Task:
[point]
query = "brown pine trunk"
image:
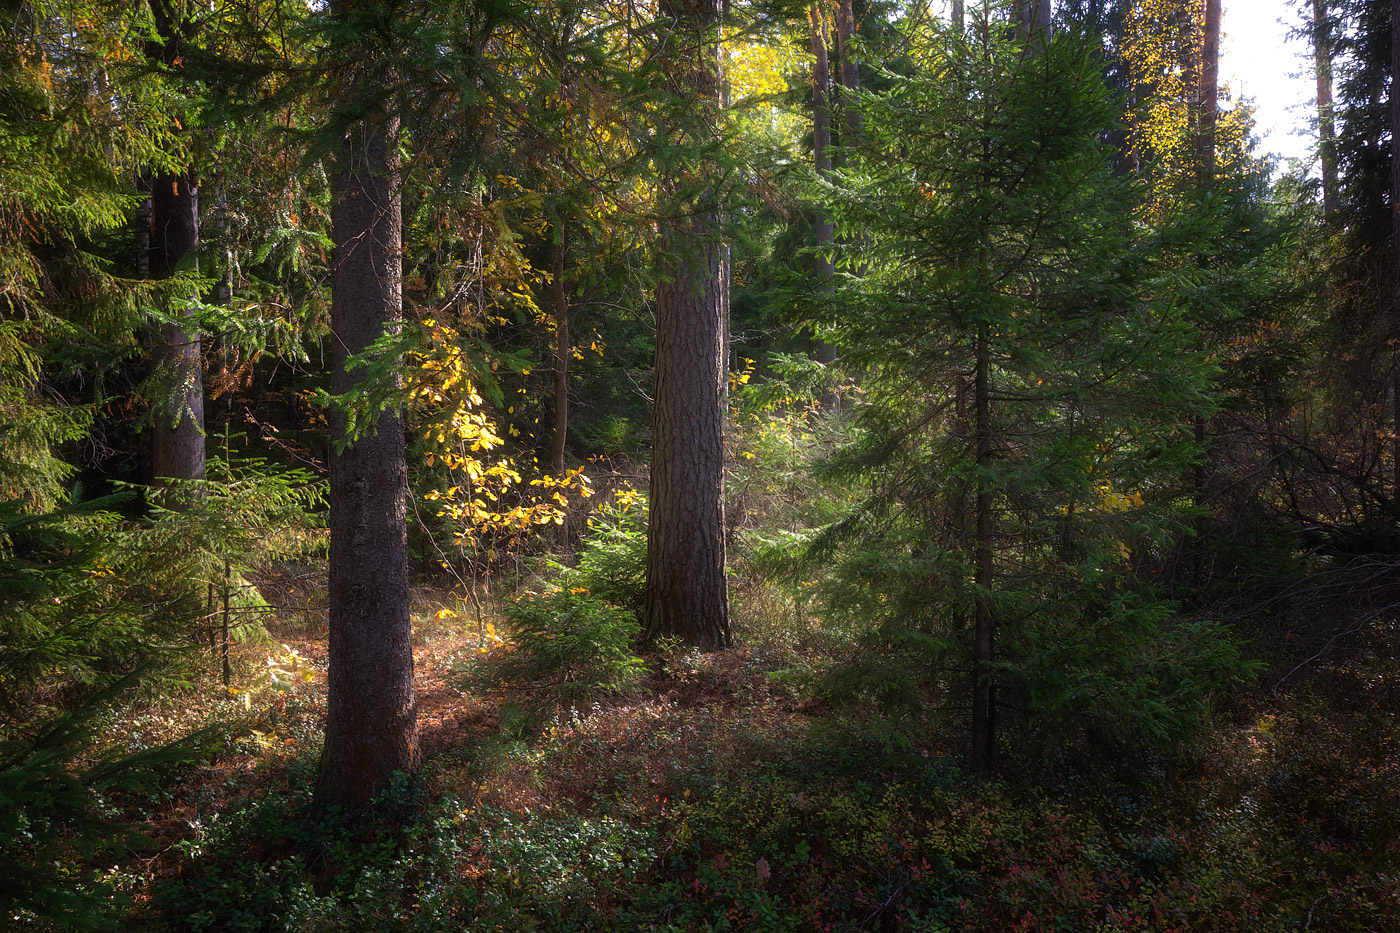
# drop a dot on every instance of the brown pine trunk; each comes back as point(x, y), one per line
point(850, 71)
point(1326, 120)
point(1208, 95)
point(686, 592)
point(177, 436)
point(1395, 236)
point(371, 712)
point(822, 228)
point(958, 19)
point(1207, 110)
point(561, 360)
point(1032, 20)
point(983, 693)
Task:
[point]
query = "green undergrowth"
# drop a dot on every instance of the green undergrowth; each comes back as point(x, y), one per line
point(733, 815)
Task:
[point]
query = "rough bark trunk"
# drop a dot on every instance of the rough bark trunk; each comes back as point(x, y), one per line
point(983, 693)
point(822, 229)
point(958, 19)
point(1208, 94)
point(1032, 20)
point(686, 592)
point(1395, 236)
point(1326, 119)
point(177, 436)
point(850, 72)
point(371, 712)
point(561, 360)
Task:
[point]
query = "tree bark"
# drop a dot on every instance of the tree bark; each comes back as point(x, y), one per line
point(850, 72)
point(983, 693)
point(1208, 95)
point(958, 19)
point(822, 229)
point(371, 712)
point(561, 360)
point(686, 592)
point(1326, 119)
point(1033, 18)
point(1394, 335)
point(177, 436)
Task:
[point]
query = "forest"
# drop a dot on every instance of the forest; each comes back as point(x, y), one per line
point(695, 465)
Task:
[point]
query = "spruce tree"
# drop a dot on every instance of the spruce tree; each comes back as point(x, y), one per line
point(1029, 386)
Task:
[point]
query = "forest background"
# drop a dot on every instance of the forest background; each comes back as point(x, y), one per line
point(694, 465)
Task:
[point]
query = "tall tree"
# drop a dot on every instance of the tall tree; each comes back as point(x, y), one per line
point(1004, 251)
point(686, 591)
point(822, 228)
point(371, 710)
point(1208, 94)
point(850, 71)
point(1393, 319)
point(1326, 120)
point(561, 357)
point(177, 436)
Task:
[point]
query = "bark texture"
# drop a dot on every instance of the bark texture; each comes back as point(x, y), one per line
point(1395, 236)
point(371, 714)
point(850, 71)
point(1208, 98)
point(983, 692)
point(177, 437)
point(1326, 119)
point(822, 229)
point(561, 360)
point(686, 591)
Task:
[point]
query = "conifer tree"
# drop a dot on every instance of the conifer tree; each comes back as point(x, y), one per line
point(686, 592)
point(1016, 338)
point(371, 711)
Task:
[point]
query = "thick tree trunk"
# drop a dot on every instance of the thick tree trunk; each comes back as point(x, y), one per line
point(983, 692)
point(850, 72)
point(1326, 119)
point(371, 712)
point(177, 437)
point(1033, 19)
point(561, 360)
point(686, 592)
point(1395, 237)
point(1208, 95)
point(822, 229)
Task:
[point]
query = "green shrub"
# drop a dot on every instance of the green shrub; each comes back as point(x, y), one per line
point(612, 563)
point(570, 644)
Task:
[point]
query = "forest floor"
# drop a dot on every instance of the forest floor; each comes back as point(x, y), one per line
point(719, 797)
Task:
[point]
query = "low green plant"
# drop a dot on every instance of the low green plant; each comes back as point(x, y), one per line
point(612, 563)
point(570, 644)
point(575, 635)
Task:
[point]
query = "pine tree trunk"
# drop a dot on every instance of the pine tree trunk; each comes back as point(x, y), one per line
point(850, 71)
point(1326, 119)
point(983, 694)
point(1394, 334)
point(686, 592)
point(1208, 95)
point(822, 228)
point(561, 360)
point(371, 713)
point(177, 436)
point(958, 19)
